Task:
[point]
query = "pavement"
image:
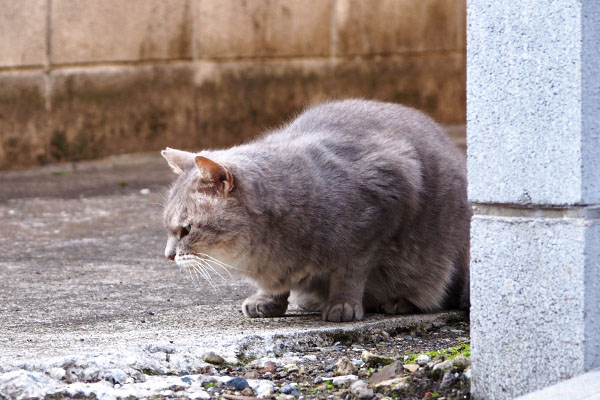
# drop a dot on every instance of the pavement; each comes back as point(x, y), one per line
point(83, 278)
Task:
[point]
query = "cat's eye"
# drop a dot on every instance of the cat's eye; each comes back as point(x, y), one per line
point(185, 231)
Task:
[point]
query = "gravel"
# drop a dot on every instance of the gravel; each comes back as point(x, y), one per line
point(429, 362)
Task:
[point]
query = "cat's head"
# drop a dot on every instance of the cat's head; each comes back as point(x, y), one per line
point(203, 215)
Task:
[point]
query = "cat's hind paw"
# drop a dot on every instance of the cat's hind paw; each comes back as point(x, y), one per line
point(262, 306)
point(343, 312)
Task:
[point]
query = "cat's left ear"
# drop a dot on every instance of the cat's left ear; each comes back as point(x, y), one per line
point(178, 160)
point(215, 174)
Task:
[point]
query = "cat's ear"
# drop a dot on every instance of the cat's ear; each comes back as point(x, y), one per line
point(215, 174)
point(178, 160)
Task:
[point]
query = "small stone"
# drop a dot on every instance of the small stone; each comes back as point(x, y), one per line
point(238, 383)
point(200, 394)
point(213, 358)
point(289, 389)
point(400, 383)
point(115, 376)
point(343, 367)
point(412, 368)
point(268, 367)
point(361, 390)
point(207, 381)
point(373, 359)
point(252, 374)
point(187, 379)
point(145, 192)
point(262, 388)
point(423, 359)
point(436, 360)
point(447, 380)
point(457, 364)
point(344, 380)
point(291, 368)
point(57, 373)
point(386, 373)
point(358, 348)
point(248, 392)
point(467, 374)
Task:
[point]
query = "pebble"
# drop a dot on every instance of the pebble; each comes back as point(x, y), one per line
point(448, 379)
point(456, 364)
point(115, 376)
point(400, 383)
point(289, 389)
point(291, 368)
point(248, 392)
point(358, 348)
point(187, 379)
point(386, 373)
point(412, 368)
point(344, 367)
point(344, 380)
point(372, 358)
point(361, 390)
point(262, 388)
point(268, 367)
point(200, 394)
point(423, 359)
point(145, 191)
point(467, 374)
point(213, 358)
point(238, 383)
point(252, 374)
point(57, 373)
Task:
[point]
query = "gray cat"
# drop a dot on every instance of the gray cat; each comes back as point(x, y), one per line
point(354, 206)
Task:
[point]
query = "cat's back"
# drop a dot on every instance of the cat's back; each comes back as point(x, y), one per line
point(369, 124)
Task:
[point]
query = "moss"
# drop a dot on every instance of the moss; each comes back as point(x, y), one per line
point(462, 349)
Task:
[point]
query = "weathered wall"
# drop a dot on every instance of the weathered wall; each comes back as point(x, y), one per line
point(87, 78)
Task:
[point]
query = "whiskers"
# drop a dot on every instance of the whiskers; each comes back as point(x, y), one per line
point(202, 266)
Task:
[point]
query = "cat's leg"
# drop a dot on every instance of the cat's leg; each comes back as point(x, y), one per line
point(346, 288)
point(307, 301)
point(398, 306)
point(263, 304)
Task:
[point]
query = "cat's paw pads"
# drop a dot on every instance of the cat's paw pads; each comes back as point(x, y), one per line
point(263, 306)
point(343, 312)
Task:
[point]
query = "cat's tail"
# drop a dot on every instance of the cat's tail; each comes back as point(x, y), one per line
point(459, 295)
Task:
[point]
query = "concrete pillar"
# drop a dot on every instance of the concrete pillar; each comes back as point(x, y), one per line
point(533, 137)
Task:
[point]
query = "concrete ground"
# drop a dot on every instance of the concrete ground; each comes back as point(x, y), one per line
point(82, 274)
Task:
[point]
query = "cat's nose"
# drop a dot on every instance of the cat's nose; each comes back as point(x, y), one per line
point(170, 254)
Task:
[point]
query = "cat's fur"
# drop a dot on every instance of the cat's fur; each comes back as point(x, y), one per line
point(355, 205)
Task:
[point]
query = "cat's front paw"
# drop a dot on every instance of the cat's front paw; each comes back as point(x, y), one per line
point(261, 306)
point(343, 312)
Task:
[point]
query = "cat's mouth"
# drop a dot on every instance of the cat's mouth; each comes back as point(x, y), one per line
point(204, 266)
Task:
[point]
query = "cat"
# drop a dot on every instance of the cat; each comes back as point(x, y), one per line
point(355, 206)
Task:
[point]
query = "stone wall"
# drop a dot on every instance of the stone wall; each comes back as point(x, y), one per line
point(86, 78)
